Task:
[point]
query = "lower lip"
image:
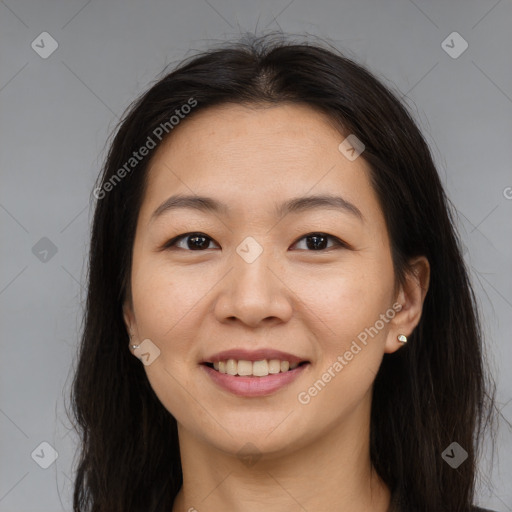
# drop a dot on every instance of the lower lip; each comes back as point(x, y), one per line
point(254, 386)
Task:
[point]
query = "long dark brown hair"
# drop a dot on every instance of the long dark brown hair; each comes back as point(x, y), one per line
point(432, 392)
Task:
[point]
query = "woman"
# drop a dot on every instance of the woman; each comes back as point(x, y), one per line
point(278, 316)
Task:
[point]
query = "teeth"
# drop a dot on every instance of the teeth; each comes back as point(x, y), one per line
point(257, 368)
point(231, 367)
point(260, 368)
point(244, 367)
point(274, 366)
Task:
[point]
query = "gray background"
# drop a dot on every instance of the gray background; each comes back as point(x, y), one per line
point(56, 114)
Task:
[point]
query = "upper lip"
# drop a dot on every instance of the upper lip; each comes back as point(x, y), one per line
point(253, 355)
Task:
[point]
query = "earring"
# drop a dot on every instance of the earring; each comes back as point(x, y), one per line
point(402, 338)
point(133, 347)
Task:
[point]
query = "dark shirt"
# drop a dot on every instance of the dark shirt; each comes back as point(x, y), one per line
point(396, 505)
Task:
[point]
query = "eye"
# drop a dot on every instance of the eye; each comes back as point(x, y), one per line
point(318, 241)
point(193, 241)
point(199, 241)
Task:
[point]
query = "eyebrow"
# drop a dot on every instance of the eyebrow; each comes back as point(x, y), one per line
point(295, 205)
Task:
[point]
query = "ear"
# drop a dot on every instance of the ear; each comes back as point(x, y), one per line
point(129, 317)
point(411, 296)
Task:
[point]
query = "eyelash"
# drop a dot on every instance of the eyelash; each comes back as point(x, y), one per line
point(337, 242)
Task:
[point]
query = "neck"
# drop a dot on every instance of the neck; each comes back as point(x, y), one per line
point(332, 473)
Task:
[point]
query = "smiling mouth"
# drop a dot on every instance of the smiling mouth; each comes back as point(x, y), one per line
point(262, 368)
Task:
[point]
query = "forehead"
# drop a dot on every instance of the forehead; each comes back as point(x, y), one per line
point(251, 156)
point(253, 130)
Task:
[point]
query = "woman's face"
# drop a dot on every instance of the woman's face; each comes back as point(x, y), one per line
point(254, 279)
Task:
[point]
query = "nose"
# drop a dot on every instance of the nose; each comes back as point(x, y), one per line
point(254, 293)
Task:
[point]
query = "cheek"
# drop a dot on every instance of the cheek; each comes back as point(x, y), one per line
point(346, 300)
point(164, 297)
point(350, 336)
point(164, 301)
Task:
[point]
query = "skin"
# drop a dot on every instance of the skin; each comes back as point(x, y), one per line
point(308, 302)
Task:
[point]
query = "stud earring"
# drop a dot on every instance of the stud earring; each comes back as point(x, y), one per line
point(402, 338)
point(133, 347)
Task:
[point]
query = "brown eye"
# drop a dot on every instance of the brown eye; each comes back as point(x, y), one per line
point(193, 241)
point(315, 242)
point(318, 241)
